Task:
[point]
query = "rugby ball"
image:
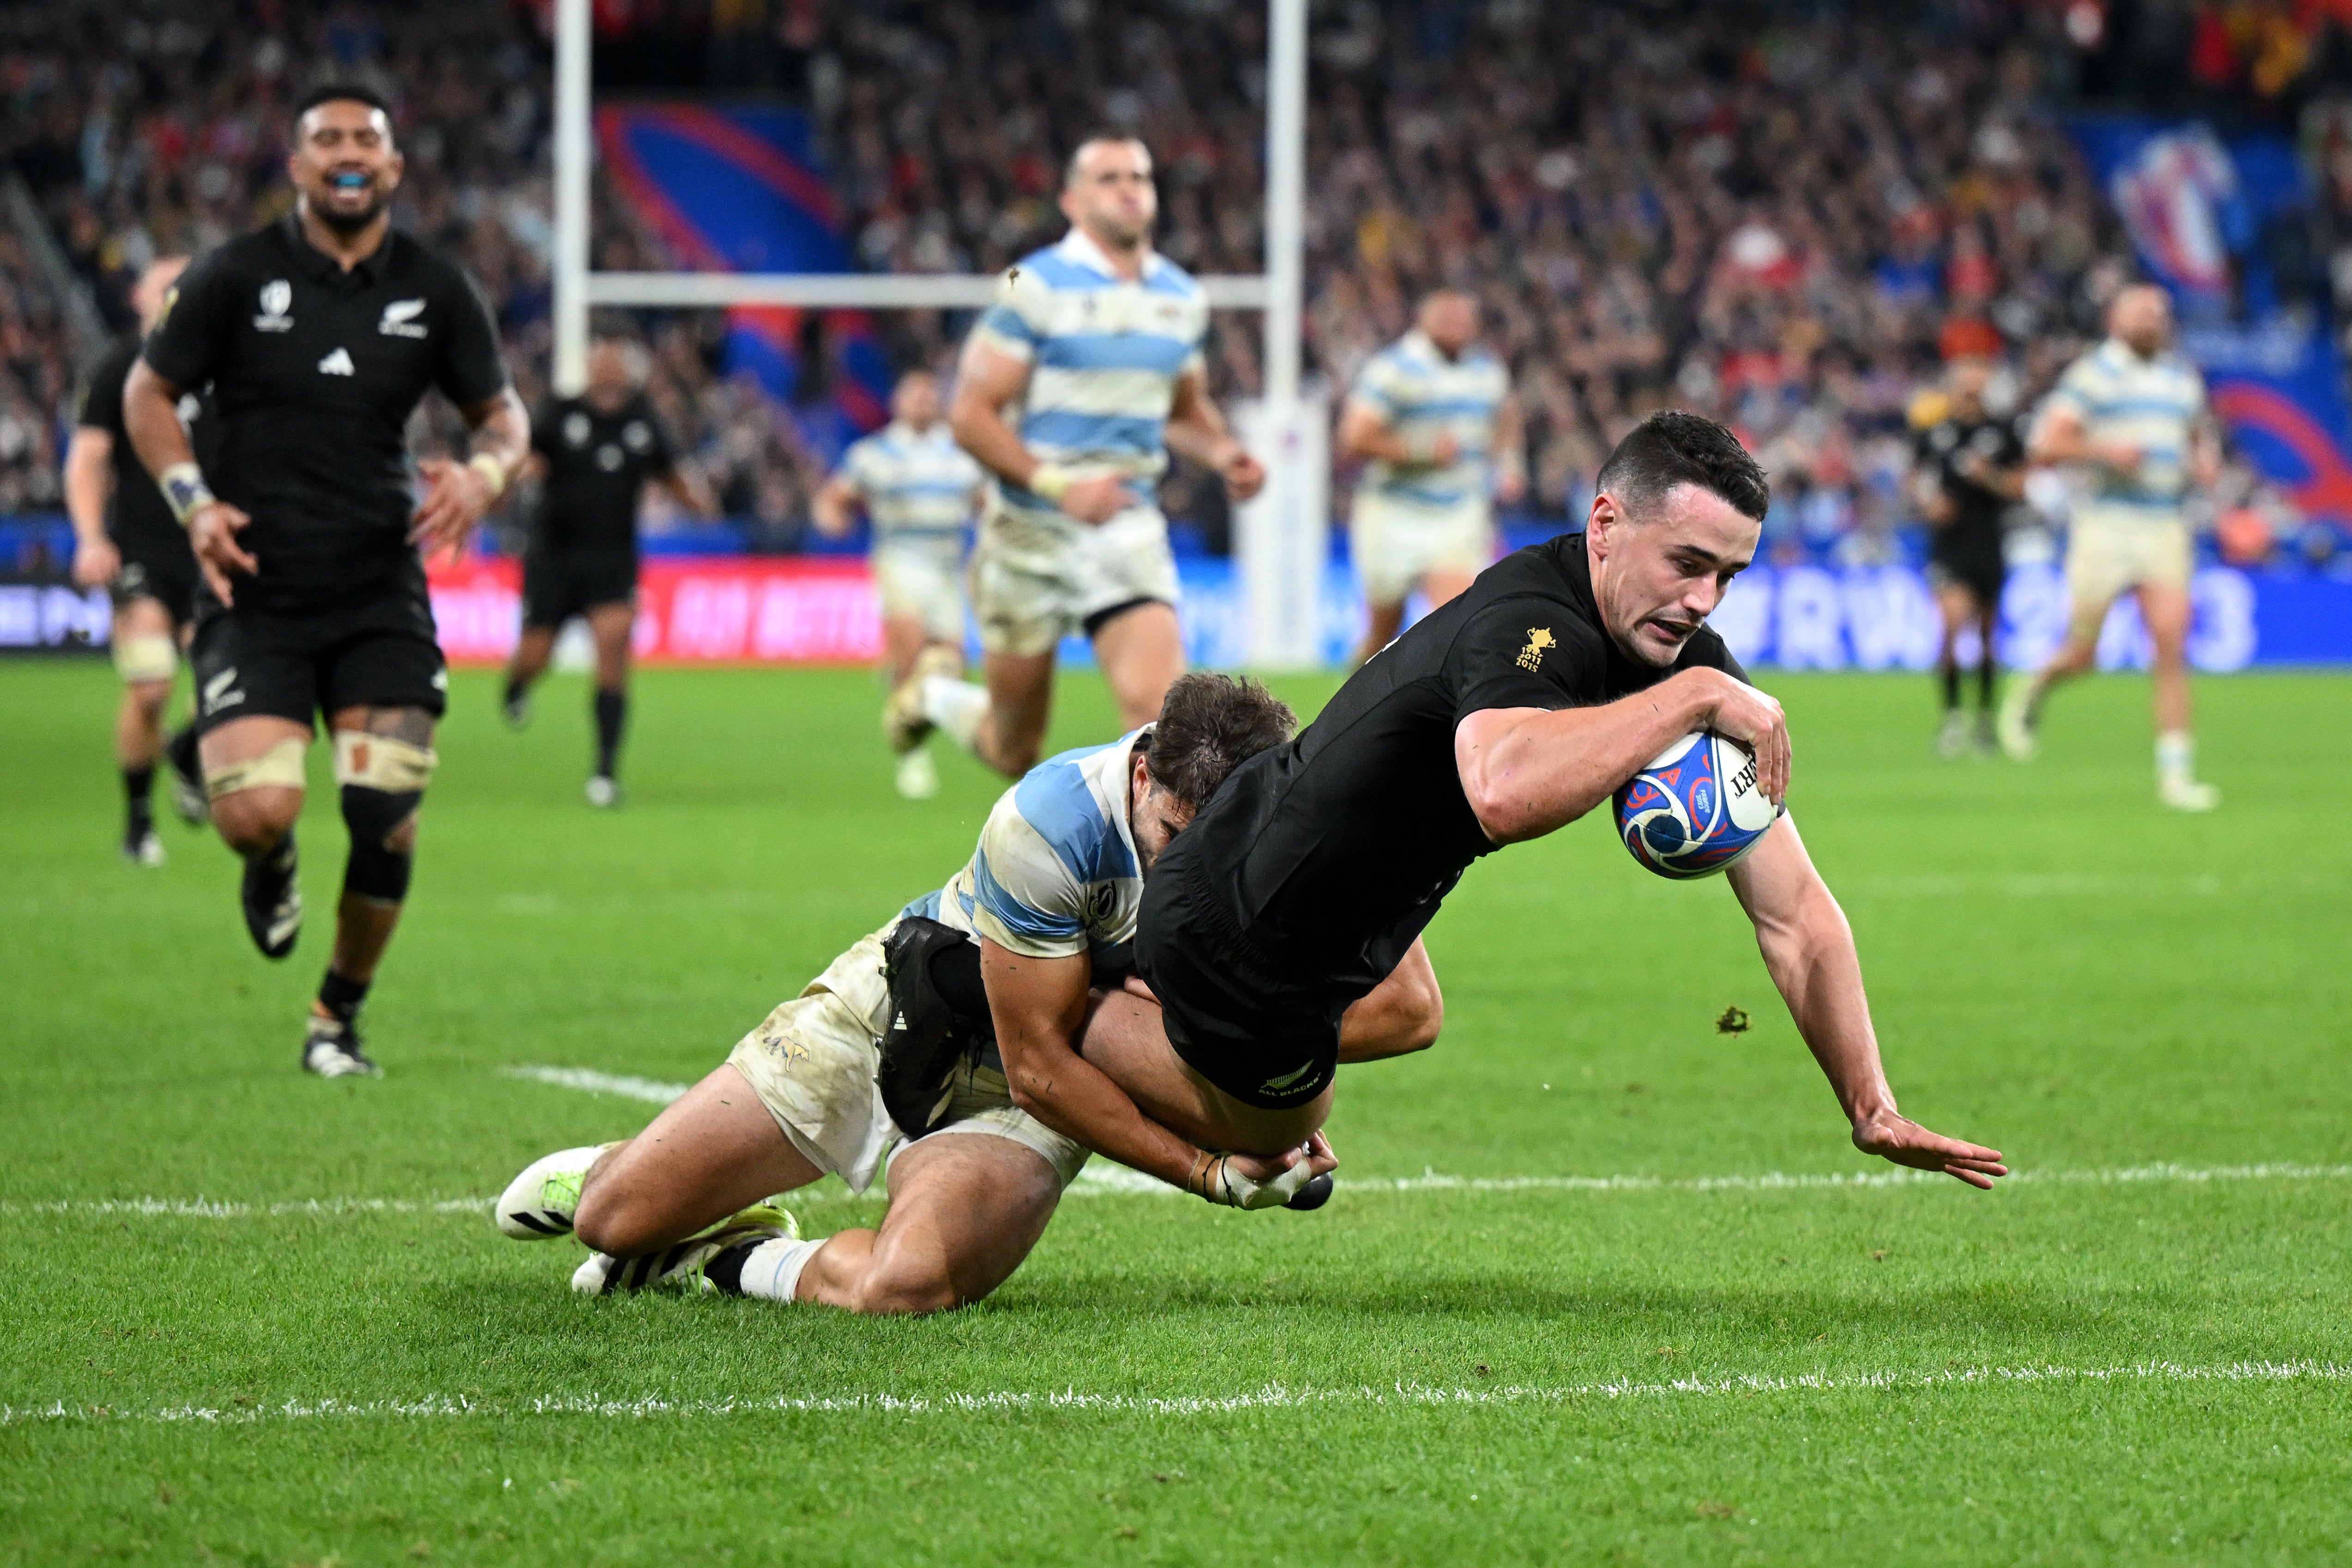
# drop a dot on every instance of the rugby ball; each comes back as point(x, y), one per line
point(1696, 808)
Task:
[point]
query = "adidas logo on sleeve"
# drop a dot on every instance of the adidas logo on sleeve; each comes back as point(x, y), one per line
point(337, 364)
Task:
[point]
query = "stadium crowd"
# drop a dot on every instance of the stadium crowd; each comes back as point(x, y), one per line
point(1789, 227)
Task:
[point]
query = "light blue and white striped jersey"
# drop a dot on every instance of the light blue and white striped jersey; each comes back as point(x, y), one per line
point(1420, 394)
point(1105, 355)
point(1056, 873)
point(2152, 404)
point(918, 485)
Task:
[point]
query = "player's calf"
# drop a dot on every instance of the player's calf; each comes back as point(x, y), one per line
point(383, 780)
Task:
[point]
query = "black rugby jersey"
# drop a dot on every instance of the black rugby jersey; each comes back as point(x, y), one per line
point(597, 465)
point(1347, 838)
point(138, 518)
point(1952, 446)
point(314, 372)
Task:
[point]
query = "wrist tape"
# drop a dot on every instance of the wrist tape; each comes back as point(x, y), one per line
point(184, 490)
point(1051, 480)
point(492, 471)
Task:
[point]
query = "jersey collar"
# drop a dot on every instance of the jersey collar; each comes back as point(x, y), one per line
point(1078, 246)
point(323, 268)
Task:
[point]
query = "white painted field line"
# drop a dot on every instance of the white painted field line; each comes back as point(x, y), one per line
point(653, 1091)
point(1273, 1396)
point(1101, 1179)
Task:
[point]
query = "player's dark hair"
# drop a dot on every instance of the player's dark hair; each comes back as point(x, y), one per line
point(1209, 725)
point(1672, 447)
point(1070, 166)
point(339, 93)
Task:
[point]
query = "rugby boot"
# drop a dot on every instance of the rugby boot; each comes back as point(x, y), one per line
point(1952, 739)
point(919, 776)
point(2018, 722)
point(903, 722)
point(603, 792)
point(273, 899)
point(680, 1263)
point(2182, 792)
point(332, 1050)
point(141, 847)
point(540, 1202)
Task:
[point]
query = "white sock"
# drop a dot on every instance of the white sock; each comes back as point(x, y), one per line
point(2175, 755)
point(956, 705)
point(773, 1269)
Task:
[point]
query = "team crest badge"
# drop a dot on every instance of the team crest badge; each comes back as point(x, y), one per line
point(1539, 638)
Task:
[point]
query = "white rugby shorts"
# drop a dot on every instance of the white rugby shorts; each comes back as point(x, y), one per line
point(1395, 544)
point(812, 1063)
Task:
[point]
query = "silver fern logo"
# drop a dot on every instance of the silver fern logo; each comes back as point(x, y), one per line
point(400, 320)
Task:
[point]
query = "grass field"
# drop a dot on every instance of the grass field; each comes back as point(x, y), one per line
point(1742, 1349)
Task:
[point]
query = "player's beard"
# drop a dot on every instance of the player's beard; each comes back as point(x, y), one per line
point(350, 222)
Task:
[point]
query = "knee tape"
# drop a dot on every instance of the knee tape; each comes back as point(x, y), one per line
point(146, 659)
point(280, 766)
point(381, 762)
point(375, 871)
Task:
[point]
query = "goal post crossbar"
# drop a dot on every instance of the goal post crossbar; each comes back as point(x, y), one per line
point(851, 291)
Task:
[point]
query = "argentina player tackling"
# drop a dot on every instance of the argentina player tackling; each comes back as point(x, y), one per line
point(1098, 342)
point(1017, 945)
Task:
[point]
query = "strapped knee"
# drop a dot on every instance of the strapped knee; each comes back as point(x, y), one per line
point(383, 780)
point(143, 659)
point(280, 766)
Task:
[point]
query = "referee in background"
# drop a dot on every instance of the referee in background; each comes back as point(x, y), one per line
point(319, 335)
point(595, 454)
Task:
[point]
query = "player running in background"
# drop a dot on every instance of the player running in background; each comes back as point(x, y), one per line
point(1304, 884)
point(919, 488)
point(595, 454)
point(1971, 469)
point(127, 542)
point(1433, 417)
point(319, 335)
point(1097, 341)
point(2131, 415)
point(1056, 878)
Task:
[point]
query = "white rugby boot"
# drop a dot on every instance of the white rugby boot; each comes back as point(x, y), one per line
point(2018, 722)
point(540, 1203)
point(2182, 792)
point(919, 776)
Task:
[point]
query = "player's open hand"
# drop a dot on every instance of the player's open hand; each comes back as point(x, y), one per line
point(1906, 1142)
point(94, 563)
point(1756, 721)
point(1097, 498)
point(456, 497)
point(1245, 475)
point(213, 528)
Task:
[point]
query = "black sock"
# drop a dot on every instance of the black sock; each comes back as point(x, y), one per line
point(341, 997)
point(725, 1272)
point(1986, 674)
point(181, 749)
point(1952, 677)
point(611, 707)
point(138, 784)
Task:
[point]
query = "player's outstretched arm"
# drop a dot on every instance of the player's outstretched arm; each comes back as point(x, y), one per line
point(1528, 771)
point(1809, 949)
point(829, 508)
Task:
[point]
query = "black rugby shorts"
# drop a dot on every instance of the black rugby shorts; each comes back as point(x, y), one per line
point(377, 651)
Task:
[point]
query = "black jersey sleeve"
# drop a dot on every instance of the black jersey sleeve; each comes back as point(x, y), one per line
point(187, 346)
point(101, 397)
point(544, 422)
point(469, 368)
point(1523, 653)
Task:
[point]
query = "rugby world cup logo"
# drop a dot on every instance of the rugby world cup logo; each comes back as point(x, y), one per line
point(276, 297)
